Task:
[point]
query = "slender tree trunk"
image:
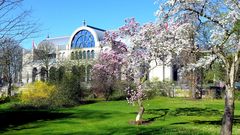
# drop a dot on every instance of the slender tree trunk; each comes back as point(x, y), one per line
point(9, 82)
point(193, 84)
point(47, 78)
point(201, 81)
point(227, 121)
point(140, 112)
point(47, 71)
point(163, 70)
point(141, 108)
point(9, 88)
point(228, 116)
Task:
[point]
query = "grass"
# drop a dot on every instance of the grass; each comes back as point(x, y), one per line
point(170, 116)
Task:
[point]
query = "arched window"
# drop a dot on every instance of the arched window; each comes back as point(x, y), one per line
point(83, 39)
point(34, 74)
point(76, 55)
point(88, 54)
point(52, 74)
point(27, 77)
point(175, 72)
point(59, 55)
point(43, 74)
point(80, 55)
point(84, 55)
point(75, 70)
point(92, 54)
point(72, 56)
point(60, 73)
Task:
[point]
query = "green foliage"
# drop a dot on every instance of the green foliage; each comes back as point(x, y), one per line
point(71, 88)
point(159, 88)
point(119, 92)
point(216, 72)
point(4, 99)
point(237, 95)
point(53, 74)
point(181, 93)
point(69, 83)
point(111, 89)
point(236, 28)
point(60, 73)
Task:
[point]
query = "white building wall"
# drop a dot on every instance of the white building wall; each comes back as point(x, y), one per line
point(157, 72)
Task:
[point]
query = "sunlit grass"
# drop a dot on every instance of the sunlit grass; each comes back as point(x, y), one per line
point(165, 116)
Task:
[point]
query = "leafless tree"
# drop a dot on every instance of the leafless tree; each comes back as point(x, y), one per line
point(10, 61)
point(16, 25)
point(15, 22)
point(45, 55)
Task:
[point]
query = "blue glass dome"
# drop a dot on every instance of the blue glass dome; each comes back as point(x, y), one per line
point(83, 39)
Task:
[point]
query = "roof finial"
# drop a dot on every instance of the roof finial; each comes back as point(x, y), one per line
point(84, 22)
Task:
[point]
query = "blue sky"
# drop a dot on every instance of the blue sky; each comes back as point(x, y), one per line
point(62, 17)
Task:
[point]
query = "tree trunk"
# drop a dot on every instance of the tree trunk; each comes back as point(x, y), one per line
point(227, 121)
point(193, 84)
point(228, 116)
point(163, 70)
point(9, 88)
point(139, 115)
point(47, 76)
point(140, 112)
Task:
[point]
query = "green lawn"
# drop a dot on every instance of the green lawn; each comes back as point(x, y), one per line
point(164, 116)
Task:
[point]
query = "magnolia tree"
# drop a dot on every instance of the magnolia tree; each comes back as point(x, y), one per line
point(218, 25)
point(135, 50)
point(107, 71)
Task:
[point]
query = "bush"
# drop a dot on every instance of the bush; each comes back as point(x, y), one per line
point(71, 89)
point(4, 99)
point(150, 93)
point(119, 92)
point(103, 86)
point(181, 93)
point(39, 94)
point(113, 90)
point(159, 88)
point(237, 95)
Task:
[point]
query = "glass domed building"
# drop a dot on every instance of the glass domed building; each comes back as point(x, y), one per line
point(81, 48)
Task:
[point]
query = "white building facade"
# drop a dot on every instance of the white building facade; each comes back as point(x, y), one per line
point(81, 48)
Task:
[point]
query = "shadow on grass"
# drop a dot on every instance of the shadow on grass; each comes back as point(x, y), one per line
point(160, 113)
point(11, 119)
point(236, 120)
point(85, 102)
point(194, 111)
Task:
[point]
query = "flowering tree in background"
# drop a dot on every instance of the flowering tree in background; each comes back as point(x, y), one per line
point(107, 70)
point(145, 47)
point(218, 25)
